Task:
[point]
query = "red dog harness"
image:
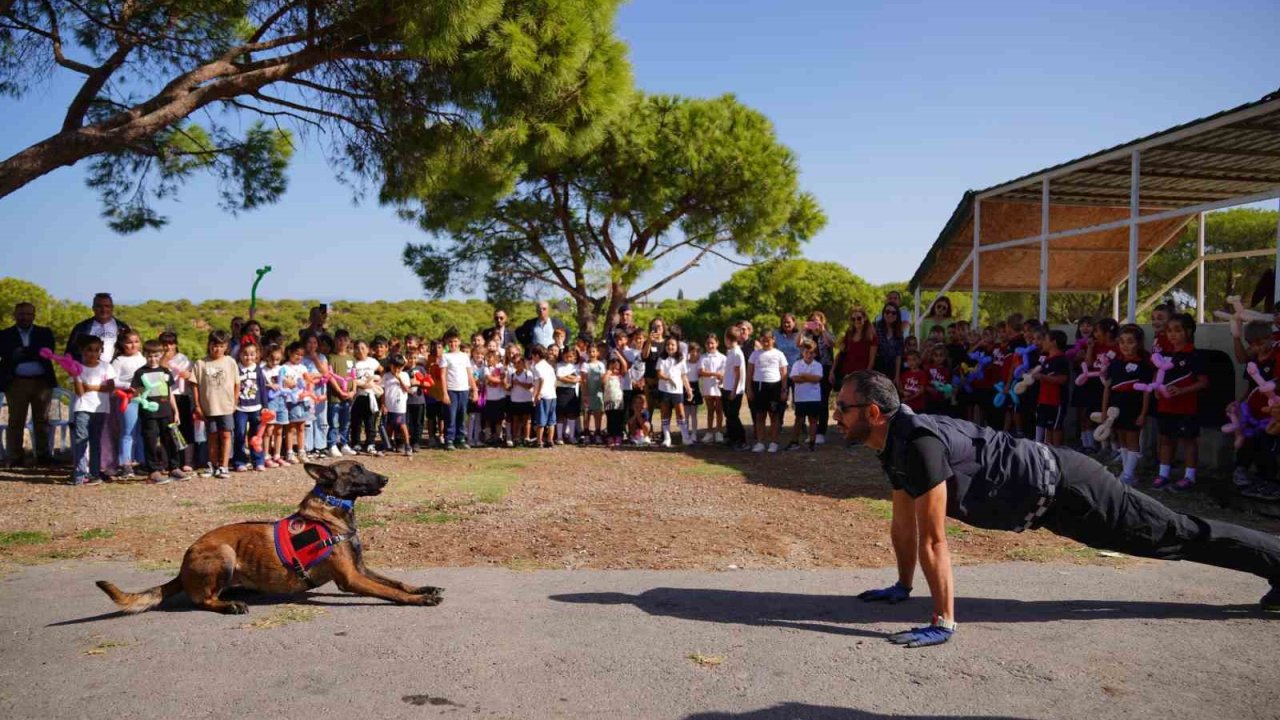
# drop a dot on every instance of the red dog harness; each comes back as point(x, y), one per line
point(301, 543)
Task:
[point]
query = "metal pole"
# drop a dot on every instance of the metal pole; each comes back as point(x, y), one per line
point(919, 313)
point(1200, 270)
point(977, 256)
point(1044, 250)
point(1135, 183)
point(1276, 297)
point(1115, 302)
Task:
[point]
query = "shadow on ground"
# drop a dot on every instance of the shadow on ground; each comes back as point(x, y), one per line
point(181, 603)
point(804, 711)
point(832, 613)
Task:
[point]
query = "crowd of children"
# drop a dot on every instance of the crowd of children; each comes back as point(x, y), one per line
point(1023, 377)
point(256, 401)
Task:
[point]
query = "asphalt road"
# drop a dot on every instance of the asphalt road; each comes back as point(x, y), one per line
point(1036, 641)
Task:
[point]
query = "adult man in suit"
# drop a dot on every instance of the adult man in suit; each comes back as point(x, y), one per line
point(539, 330)
point(500, 330)
point(27, 381)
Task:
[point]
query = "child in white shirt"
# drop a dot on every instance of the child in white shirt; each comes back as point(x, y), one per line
point(674, 390)
point(806, 377)
point(94, 386)
point(710, 374)
point(395, 397)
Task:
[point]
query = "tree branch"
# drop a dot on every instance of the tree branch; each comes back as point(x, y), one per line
point(693, 261)
point(92, 86)
point(271, 20)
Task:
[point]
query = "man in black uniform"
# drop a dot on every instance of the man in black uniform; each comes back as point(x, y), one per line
point(942, 467)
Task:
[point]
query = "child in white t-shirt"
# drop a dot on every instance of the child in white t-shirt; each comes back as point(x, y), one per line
point(568, 400)
point(521, 379)
point(710, 374)
point(496, 396)
point(806, 377)
point(544, 398)
point(766, 391)
point(674, 390)
point(395, 398)
point(127, 361)
point(94, 386)
point(460, 387)
point(364, 412)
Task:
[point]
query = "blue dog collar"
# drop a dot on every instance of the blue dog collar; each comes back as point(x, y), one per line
point(348, 505)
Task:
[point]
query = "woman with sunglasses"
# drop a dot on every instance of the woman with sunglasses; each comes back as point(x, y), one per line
point(857, 350)
point(939, 315)
point(890, 335)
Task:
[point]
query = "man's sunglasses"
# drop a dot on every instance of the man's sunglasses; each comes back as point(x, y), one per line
point(845, 407)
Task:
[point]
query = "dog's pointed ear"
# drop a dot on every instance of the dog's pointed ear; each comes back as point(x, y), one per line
point(324, 475)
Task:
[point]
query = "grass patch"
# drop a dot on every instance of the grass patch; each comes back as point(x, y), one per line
point(505, 465)
point(527, 565)
point(956, 531)
point(102, 646)
point(65, 554)
point(376, 522)
point(187, 503)
point(159, 565)
point(23, 537)
point(882, 509)
point(1051, 554)
point(261, 508)
point(434, 517)
point(285, 615)
point(706, 660)
point(96, 534)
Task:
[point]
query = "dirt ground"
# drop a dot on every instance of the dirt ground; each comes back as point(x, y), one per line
point(569, 507)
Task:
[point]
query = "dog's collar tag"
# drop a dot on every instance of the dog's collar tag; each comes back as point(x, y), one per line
point(348, 505)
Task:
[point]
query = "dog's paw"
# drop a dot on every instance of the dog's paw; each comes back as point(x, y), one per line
point(235, 607)
point(428, 590)
point(427, 600)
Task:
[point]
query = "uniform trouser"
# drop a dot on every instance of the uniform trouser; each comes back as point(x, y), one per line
point(363, 421)
point(28, 395)
point(1093, 507)
point(734, 432)
point(157, 441)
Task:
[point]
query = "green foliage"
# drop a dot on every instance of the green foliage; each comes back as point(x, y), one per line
point(674, 179)
point(763, 293)
point(60, 315)
point(407, 94)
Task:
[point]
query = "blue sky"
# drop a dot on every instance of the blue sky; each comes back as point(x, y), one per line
point(894, 109)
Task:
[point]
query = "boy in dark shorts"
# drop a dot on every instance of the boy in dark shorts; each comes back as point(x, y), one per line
point(153, 383)
point(1054, 371)
point(807, 377)
point(1130, 368)
point(1178, 406)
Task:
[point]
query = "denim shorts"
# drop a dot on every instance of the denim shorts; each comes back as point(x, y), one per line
point(544, 412)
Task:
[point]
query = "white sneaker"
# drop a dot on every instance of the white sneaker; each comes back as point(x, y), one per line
point(334, 452)
point(758, 447)
point(666, 439)
point(690, 439)
point(773, 447)
point(346, 450)
point(719, 437)
point(820, 440)
point(708, 437)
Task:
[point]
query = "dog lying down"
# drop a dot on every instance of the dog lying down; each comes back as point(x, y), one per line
point(316, 544)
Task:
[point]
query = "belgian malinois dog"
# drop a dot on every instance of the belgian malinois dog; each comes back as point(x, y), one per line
point(308, 549)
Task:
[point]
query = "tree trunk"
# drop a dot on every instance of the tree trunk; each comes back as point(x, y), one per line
point(586, 316)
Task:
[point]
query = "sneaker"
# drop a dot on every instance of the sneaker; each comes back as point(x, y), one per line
point(1129, 480)
point(1269, 492)
point(508, 443)
point(1160, 483)
point(820, 440)
point(692, 439)
point(1271, 601)
point(86, 481)
point(666, 440)
point(125, 473)
point(207, 470)
point(773, 447)
point(1184, 485)
point(793, 445)
point(758, 447)
point(462, 445)
point(642, 441)
point(180, 474)
point(259, 468)
point(449, 447)
point(408, 452)
point(281, 462)
point(292, 459)
point(719, 437)
point(1241, 478)
point(346, 450)
point(159, 478)
point(240, 468)
point(708, 437)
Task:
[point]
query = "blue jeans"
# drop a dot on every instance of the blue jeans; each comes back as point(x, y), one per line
point(86, 433)
point(544, 413)
point(130, 437)
point(246, 426)
point(339, 418)
point(319, 429)
point(455, 429)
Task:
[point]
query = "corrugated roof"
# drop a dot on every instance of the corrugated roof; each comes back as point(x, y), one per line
point(1231, 154)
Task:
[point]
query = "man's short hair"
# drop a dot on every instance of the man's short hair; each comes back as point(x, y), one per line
point(219, 337)
point(1256, 330)
point(152, 346)
point(875, 388)
point(102, 296)
point(23, 304)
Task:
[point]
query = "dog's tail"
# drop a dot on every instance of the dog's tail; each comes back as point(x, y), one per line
point(140, 601)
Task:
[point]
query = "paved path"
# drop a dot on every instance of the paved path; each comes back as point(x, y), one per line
point(1036, 641)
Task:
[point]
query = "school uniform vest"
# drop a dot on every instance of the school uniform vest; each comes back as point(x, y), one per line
point(998, 481)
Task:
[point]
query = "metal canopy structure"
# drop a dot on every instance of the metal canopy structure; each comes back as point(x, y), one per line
point(1087, 225)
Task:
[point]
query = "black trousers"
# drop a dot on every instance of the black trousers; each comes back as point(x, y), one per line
point(1093, 507)
point(617, 425)
point(157, 444)
point(363, 422)
point(734, 432)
